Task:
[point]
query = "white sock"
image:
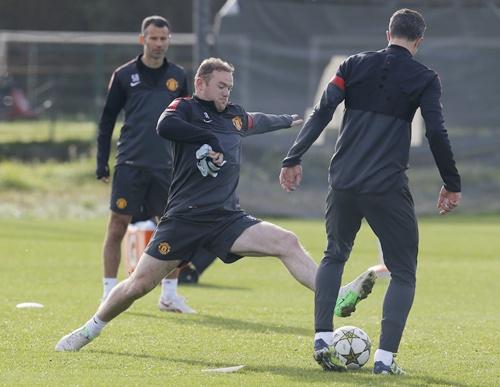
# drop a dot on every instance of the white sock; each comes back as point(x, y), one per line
point(94, 326)
point(326, 336)
point(168, 288)
point(383, 356)
point(108, 284)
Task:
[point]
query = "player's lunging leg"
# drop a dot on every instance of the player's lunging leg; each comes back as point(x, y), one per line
point(146, 277)
point(267, 239)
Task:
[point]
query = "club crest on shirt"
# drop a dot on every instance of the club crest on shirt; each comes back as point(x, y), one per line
point(164, 248)
point(172, 84)
point(121, 203)
point(237, 122)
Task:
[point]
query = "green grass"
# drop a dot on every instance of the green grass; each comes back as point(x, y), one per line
point(32, 131)
point(250, 313)
point(52, 190)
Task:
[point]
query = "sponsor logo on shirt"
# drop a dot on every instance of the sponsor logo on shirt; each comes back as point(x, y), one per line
point(206, 118)
point(172, 84)
point(134, 80)
point(164, 248)
point(121, 203)
point(237, 122)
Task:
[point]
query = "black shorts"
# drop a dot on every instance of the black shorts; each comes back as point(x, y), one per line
point(180, 238)
point(138, 190)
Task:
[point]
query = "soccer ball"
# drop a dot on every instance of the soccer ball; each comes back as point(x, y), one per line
point(352, 345)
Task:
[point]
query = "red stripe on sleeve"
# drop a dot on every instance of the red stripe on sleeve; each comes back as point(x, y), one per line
point(249, 121)
point(173, 105)
point(339, 82)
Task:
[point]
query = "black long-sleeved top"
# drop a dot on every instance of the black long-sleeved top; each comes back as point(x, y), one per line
point(382, 91)
point(192, 122)
point(143, 93)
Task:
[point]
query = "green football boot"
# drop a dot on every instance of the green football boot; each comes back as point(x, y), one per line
point(352, 293)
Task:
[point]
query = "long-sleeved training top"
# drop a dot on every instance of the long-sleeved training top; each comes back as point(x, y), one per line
point(191, 122)
point(143, 93)
point(382, 90)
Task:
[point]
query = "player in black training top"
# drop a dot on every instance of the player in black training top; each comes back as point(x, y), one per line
point(382, 90)
point(141, 88)
point(203, 209)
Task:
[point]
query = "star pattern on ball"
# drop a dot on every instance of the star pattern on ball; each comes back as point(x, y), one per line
point(349, 335)
point(352, 358)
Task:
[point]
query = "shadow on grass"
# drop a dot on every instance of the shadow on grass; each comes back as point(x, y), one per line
point(214, 286)
point(301, 374)
point(233, 324)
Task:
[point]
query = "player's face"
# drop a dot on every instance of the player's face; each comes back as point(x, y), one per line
point(219, 88)
point(155, 41)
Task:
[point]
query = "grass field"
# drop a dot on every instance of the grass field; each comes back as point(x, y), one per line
point(251, 313)
point(31, 131)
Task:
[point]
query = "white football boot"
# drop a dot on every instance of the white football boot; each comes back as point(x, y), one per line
point(175, 304)
point(75, 340)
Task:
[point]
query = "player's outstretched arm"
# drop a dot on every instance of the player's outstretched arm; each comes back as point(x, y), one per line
point(259, 123)
point(315, 124)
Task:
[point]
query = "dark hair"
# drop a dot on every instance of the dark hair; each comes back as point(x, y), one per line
point(208, 66)
point(407, 23)
point(157, 21)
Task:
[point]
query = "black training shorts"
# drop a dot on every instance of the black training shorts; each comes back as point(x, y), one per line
point(138, 190)
point(179, 238)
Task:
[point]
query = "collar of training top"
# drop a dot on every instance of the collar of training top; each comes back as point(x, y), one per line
point(400, 49)
point(209, 104)
point(141, 65)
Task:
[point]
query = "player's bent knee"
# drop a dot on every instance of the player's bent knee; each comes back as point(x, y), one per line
point(288, 243)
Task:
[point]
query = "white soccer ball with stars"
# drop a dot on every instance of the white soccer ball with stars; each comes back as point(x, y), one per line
point(352, 345)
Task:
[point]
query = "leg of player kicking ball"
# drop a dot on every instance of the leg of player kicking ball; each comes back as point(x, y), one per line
point(267, 239)
point(147, 276)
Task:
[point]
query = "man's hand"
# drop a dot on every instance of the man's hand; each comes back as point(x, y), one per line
point(102, 173)
point(290, 177)
point(296, 120)
point(217, 158)
point(448, 201)
point(209, 162)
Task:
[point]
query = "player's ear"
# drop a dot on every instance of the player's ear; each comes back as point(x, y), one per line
point(199, 83)
point(419, 42)
point(141, 39)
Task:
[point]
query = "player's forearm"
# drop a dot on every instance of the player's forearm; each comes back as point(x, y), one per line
point(262, 123)
point(315, 124)
point(104, 135)
point(307, 136)
point(175, 129)
point(443, 156)
point(437, 136)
